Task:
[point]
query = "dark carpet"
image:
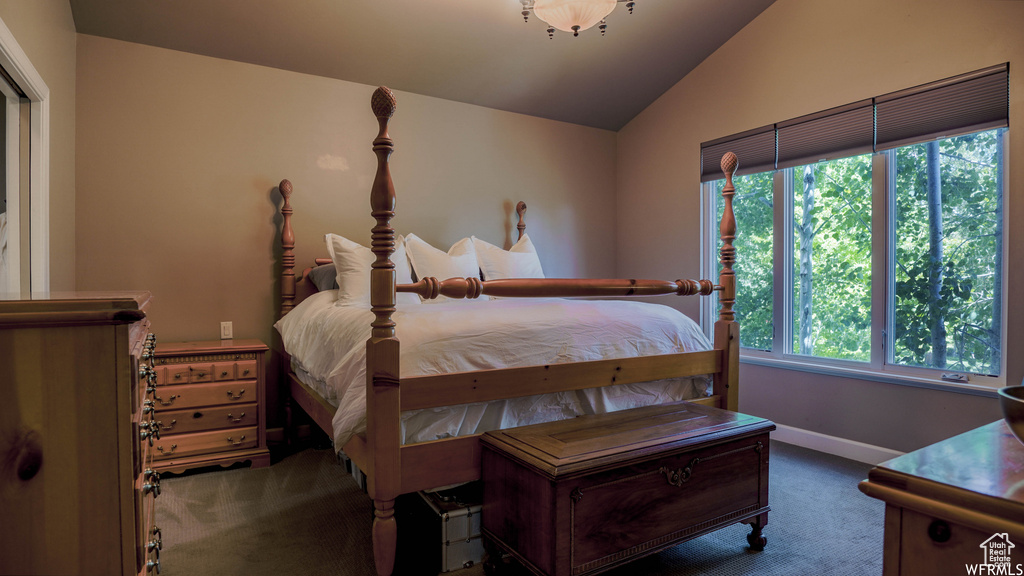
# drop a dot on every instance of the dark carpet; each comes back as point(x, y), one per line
point(304, 515)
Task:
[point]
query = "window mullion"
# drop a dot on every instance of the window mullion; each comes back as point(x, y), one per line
point(882, 279)
point(782, 262)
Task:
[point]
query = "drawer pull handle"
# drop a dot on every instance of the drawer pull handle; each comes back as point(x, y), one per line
point(169, 401)
point(236, 420)
point(240, 440)
point(169, 452)
point(245, 372)
point(200, 374)
point(177, 376)
point(147, 406)
point(153, 565)
point(153, 488)
point(171, 427)
point(150, 431)
point(679, 476)
point(232, 396)
point(224, 374)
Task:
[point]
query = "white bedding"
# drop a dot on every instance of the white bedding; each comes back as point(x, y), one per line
point(327, 343)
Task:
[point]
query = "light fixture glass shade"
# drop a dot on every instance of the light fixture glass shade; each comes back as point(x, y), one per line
point(564, 14)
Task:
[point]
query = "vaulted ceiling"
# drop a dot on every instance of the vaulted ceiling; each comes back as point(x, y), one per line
point(474, 51)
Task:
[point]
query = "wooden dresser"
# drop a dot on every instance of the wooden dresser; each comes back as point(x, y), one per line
point(210, 404)
point(76, 493)
point(954, 506)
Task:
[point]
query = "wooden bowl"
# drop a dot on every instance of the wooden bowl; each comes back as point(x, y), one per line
point(1011, 400)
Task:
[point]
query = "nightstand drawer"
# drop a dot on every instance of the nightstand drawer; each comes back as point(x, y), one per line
point(180, 445)
point(210, 418)
point(225, 371)
point(195, 395)
point(205, 372)
point(245, 369)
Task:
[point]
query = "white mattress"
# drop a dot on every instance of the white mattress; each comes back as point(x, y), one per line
point(327, 343)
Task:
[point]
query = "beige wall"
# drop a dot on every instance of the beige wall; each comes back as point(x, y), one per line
point(45, 30)
point(799, 57)
point(179, 157)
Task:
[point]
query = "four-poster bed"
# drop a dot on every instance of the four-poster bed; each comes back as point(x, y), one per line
point(394, 467)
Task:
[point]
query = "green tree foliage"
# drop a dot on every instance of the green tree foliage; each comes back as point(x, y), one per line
point(841, 298)
point(971, 226)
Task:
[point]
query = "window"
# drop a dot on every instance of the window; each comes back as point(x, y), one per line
point(946, 301)
point(874, 240)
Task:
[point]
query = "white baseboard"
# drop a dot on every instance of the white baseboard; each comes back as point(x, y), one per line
point(834, 445)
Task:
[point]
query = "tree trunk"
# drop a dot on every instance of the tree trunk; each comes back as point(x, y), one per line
point(936, 318)
point(806, 308)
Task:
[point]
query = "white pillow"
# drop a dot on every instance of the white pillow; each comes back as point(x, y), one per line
point(519, 261)
point(352, 264)
point(458, 262)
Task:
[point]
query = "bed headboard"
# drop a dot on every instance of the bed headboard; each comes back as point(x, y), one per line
point(296, 287)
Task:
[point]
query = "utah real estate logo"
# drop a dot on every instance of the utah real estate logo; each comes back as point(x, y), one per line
point(997, 551)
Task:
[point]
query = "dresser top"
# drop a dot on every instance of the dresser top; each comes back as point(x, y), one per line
point(208, 347)
point(983, 468)
point(72, 308)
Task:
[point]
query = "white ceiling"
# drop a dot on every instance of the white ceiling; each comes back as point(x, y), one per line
point(474, 51)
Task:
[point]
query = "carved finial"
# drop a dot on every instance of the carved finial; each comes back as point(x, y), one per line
point(383, 102)
point(521, 211)
point(729, 164)
point(286, 189)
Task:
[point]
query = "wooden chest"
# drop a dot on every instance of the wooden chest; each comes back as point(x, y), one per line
point(584, 495)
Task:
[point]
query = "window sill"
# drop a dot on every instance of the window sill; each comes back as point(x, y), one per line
point(973, 389)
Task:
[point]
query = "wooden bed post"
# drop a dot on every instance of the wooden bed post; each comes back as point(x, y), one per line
point(727, 331)
point(287, 252)
point(521, 226)
point(382, 365)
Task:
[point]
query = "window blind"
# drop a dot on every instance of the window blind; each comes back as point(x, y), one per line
point(959, 105)
point(837, 133)
point(755, 150)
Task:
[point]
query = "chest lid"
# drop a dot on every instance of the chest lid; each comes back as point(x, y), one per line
point(588, 442)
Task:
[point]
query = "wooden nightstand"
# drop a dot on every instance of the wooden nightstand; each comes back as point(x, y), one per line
point(210, 404)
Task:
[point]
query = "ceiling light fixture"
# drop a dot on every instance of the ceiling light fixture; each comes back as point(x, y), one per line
point(572, 15)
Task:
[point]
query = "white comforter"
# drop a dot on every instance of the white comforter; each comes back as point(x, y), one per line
point(327, 344)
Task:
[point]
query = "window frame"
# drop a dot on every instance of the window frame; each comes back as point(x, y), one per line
point(883, 190)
